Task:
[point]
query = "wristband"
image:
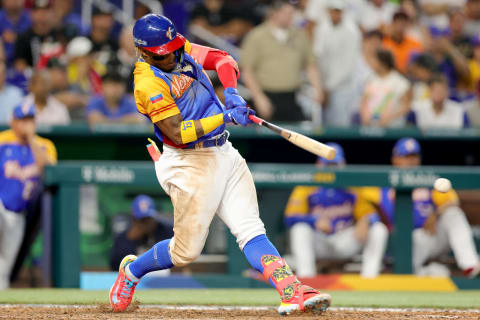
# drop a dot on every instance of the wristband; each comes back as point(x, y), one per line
point(211, 123)
point(188, 131)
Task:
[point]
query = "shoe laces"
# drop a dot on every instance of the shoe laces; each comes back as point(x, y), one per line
point(127, 287)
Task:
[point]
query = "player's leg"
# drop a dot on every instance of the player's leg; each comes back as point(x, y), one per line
point(190, 178)
point(239, 211)
point(344, 243)
point(12, 226)
point(302, 246)
point(374, 250)
point(453, 223)
point(423, 246)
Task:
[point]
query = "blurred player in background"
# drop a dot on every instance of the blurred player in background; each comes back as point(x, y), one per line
point(439, 222)
point(322, 225)
point(146, 229)
point(23, 155)
point(199, 168)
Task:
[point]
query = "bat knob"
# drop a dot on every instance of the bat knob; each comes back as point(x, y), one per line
point(331, 154)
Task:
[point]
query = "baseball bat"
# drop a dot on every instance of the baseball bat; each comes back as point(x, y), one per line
point(298, 139)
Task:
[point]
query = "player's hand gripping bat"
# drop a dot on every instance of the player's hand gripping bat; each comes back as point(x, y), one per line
point(298, 139)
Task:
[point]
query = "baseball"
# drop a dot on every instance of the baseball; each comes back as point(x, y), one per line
point(442, 185)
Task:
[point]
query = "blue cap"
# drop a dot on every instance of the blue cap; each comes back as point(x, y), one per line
point(143, 207)
point(406, 146)
point(24, 111)
point(339, 158)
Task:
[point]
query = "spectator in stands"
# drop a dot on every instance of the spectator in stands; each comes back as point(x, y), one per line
point(474, 64)
point(105, 45)
point(222, 20)
point(84, 71)
point(147, 227)
point(66, 18)
point(439, 222)
point(387, 96)
point(473, 17)
point(377, 14)
point(457, 34)
point(37, 40)
point(473, 110)
point(420, 71)
point(23, 156)
point(372, 41)
point(114, 106)
point(274, 55)
point(48, 110)
point(125, 59)
point(14, 20)
point(416, 29)
point(400, 43)
point(439, 112)
point(452, 63)
point(436, 11)
point(317, 10)
point(74, 100)
point(322, 225)
point(337, 46)
point(10, 96)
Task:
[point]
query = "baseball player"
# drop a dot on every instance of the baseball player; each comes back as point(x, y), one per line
point(23, 155)
point(323, 225)
point(439, 222)
point(147, 227)
point(199, 169)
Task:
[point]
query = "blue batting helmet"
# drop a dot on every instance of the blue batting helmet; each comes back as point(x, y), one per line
point(406, 146)
point(157, 34)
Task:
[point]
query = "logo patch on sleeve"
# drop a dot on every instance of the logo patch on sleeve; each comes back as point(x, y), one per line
point(157, 98)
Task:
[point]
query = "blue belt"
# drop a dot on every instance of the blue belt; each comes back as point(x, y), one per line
point(216, 142)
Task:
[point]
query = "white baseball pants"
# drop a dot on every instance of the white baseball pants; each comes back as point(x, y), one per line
point(12, 228)
point(453, 232)
point(204, 182)
point(307, 245)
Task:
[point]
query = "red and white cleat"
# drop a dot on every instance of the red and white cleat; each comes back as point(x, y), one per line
point(121, 293)
point(304, 298)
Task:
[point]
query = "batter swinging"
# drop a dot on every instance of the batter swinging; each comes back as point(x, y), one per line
point(199, 169)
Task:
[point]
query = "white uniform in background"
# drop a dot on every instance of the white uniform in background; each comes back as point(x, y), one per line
point(308, 204)
point(452, 231)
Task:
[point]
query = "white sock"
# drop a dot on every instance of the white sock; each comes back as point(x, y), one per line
point(130, 274)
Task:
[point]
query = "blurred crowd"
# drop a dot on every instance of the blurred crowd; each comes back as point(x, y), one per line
point(387, 63)
point(379, 62)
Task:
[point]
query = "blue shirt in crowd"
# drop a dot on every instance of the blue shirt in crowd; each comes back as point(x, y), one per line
point(125, 106)
point(6, 25)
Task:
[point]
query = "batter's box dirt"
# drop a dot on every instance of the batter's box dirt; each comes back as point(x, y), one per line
point(136, 313)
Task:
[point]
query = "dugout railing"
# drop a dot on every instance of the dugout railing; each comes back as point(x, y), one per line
point(64, 181)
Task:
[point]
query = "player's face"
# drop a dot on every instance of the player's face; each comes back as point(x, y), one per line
point(165, 63)
point(23, 127)
point(411, 160)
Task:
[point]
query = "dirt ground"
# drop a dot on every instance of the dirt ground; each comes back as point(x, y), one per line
point(136, 313)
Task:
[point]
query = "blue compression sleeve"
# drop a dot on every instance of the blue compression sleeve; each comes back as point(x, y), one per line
point(256, 248)
point(157, 258)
